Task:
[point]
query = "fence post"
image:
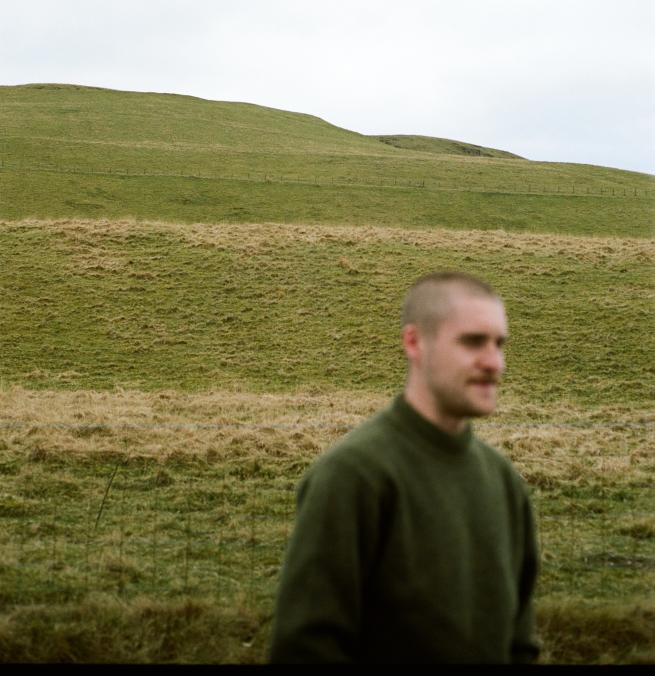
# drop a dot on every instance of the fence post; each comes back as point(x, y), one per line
point(187, 529)
point(87, 548)
point(154, 537)
point(121, 542)
point(53, 550)
point(252, 543)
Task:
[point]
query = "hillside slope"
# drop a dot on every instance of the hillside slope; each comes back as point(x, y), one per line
point(98, 304)
point(69, 151)
point(443, 146)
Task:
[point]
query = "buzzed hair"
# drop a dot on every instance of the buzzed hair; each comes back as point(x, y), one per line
point(428, 301)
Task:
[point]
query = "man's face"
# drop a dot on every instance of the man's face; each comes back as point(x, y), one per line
point(462, 361)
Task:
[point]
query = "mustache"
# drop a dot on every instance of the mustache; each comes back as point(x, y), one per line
point(486, 380)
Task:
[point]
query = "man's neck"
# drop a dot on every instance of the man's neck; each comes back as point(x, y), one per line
point(424, 403)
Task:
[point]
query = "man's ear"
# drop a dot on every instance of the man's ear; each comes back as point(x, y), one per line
point(411, 342)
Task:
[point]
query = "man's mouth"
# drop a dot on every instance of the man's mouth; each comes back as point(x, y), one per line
point(486, 385)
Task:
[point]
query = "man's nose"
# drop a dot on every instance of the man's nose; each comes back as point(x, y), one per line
point(493, 359)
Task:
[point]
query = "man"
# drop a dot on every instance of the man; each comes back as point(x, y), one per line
point(414, 541)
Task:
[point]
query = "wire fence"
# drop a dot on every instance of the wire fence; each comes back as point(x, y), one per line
point(560, 188)
point(70, 560)
point(214, 531)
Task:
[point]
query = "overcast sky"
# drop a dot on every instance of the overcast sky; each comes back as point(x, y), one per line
point(556, 80)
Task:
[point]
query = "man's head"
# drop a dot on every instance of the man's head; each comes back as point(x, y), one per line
point(454, 328)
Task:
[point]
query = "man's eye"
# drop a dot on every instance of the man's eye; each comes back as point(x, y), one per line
point(474, 341)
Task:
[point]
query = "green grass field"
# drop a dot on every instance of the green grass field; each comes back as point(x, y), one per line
point(154, 306)
point(79, 152)
point(177, 350)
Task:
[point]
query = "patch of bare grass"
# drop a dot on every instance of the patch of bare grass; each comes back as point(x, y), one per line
point(604, 445)
point(254, 236)
point(169, 424)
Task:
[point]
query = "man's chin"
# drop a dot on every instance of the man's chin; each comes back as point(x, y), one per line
point(484, 406)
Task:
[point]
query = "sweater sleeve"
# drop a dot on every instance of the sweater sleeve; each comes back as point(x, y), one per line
point(320, 596)
point(525, 647)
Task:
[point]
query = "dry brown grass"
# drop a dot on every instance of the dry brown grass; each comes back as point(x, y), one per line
point(267, 235)
point(172, 423)
point(547, 444)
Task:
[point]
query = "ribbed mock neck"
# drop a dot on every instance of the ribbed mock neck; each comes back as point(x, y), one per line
point(408, 417)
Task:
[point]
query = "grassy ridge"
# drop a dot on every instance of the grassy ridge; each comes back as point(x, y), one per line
point(94, 132)
point(189, 200)
point(276, 307)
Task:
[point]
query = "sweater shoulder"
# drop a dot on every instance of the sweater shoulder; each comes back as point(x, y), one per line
point(502, 464)
point(363, 448)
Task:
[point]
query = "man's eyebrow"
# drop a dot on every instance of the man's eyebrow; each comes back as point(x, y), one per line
point(482, 337)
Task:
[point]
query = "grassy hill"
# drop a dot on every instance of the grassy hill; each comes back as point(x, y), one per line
point(199, 297)
point(72, 151)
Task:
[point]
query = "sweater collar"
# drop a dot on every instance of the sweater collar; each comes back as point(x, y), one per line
point(409, 417)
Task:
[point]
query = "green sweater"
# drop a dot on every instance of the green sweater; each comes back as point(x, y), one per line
point(410, 545)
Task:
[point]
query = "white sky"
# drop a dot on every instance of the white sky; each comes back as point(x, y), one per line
point(557, 80)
